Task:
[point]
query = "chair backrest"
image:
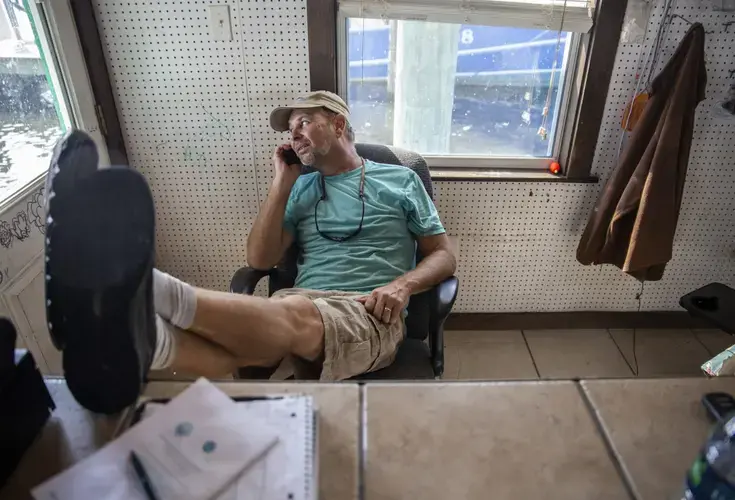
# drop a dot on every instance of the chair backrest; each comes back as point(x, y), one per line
point(417, 321)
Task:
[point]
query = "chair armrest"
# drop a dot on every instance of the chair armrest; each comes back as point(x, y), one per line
point(246, 279)
point(443, 297)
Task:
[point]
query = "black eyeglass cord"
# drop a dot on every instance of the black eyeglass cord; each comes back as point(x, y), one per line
point(361, 194)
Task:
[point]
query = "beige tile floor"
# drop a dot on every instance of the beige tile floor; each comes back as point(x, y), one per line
point(531, 354)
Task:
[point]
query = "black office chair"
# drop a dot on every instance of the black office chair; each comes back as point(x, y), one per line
point(427, 311)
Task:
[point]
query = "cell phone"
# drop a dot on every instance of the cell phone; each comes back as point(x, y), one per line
point(290, 156)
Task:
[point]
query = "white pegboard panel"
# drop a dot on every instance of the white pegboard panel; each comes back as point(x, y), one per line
point(194, 115)
point(517, 246)
point(276, 49)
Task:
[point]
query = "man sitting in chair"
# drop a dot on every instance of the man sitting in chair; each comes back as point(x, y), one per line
point(356, 222)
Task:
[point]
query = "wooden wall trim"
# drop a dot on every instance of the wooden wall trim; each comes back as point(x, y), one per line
point(99, 78)
point(321, 16)
point(573, 320)
point(600, 63)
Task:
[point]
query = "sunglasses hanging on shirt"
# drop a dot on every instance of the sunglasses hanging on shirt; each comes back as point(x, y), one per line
point(361, 194)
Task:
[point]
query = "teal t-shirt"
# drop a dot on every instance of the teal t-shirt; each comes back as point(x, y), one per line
point(397, 209)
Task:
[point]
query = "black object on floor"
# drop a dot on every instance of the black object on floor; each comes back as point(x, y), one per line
point(718, 405)
point(99, 284)
point(715, 303)
point(25, 403)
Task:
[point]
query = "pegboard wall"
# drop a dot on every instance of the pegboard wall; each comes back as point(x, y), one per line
point(195, 117)
point(194, 112)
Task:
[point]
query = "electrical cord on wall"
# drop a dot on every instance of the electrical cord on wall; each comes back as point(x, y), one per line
point(639, 298)
point(661, 35)
point(644, 73)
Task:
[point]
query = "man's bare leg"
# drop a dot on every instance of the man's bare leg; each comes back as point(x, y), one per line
point(256, 331)
point(192, 354)
point(197, 356)
point(262, 331)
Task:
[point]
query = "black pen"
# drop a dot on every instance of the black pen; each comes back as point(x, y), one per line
point(143, 476)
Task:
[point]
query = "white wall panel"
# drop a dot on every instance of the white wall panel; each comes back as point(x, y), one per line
point(22, 228)
point(195, 117)
point(21, 280)
point(31, 302)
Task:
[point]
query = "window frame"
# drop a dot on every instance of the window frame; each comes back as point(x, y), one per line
point(57, 36)
point(588, 87)
point(483, 162)
point(99, 79)
point(598, 57)
point(60, 30)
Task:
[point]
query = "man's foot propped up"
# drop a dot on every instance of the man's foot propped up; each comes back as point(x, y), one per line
point(99, 261)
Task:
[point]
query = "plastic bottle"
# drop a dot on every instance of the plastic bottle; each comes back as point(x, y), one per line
point(712, 475)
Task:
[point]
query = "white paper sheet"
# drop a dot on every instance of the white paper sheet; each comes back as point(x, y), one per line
point(193, 448)
point(289, 469)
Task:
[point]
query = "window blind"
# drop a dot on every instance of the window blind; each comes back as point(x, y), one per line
point(576, 15)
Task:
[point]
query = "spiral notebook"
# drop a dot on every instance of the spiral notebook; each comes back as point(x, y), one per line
point(196, 447)
point(289, 470)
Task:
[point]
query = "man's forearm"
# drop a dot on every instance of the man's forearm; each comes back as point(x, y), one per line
point(432, 270)
point(267, 232)
point(439, 263)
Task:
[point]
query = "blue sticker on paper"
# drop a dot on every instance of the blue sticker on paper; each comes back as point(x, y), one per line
point(184, 429)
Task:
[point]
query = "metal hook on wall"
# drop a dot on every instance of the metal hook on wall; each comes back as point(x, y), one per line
point(727, 25)
point(672, 16)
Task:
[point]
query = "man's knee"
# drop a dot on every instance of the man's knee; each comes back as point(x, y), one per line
point(304, 323)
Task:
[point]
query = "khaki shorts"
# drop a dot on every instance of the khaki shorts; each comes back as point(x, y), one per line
point(355, 342)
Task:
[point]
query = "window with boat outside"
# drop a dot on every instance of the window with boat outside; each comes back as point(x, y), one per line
point(458, 91)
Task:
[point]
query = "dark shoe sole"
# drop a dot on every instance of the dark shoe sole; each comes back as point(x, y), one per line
point(99, 260)
point(74, 159)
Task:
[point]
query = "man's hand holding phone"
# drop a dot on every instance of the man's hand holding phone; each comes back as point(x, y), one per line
point(286, 165)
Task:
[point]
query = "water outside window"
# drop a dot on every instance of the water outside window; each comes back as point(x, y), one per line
point(449, 89)
point(30, 115)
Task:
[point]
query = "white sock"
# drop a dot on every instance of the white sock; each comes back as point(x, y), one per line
point(173, 299)
point(165, 352)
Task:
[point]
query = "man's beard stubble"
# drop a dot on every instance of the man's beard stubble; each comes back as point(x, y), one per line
point(314, 156)
point(308, 158)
